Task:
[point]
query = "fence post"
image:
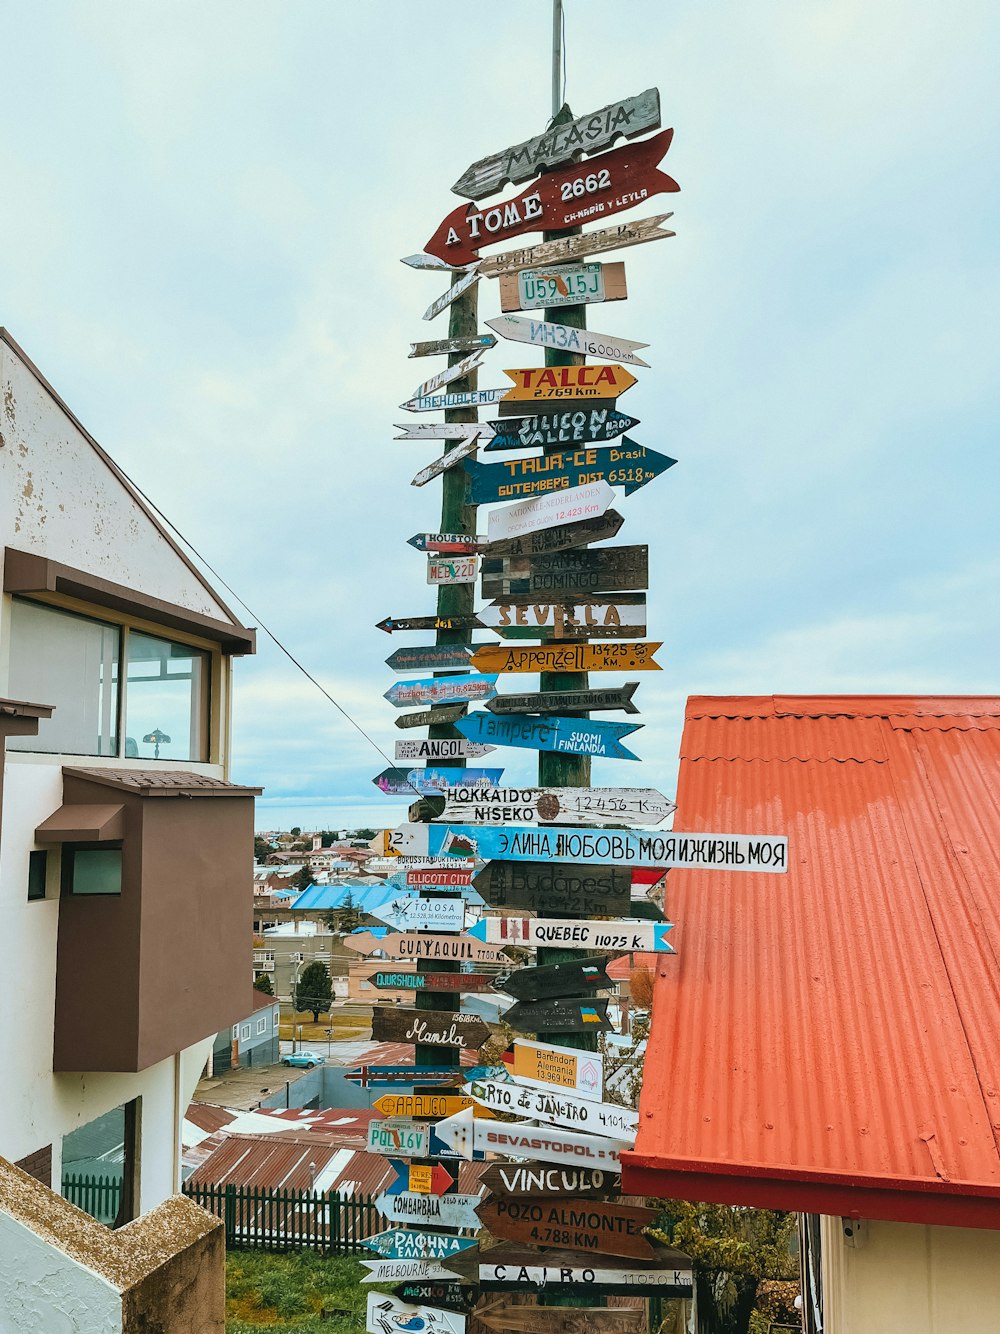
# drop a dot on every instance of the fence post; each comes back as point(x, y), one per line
point(230, 1215)
point(335, 1209)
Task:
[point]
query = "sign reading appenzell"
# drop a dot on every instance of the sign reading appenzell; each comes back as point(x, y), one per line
point(556, 701)
point(436, 1028)
point(569, 424)
point(584, 192)
point(559, 538)
point(567, 658)
point(591, 1227)
point(567, 573)
point(580, 891)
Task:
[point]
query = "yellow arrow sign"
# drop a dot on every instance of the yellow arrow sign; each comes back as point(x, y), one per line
point(427, 1104)
point(420, 1179)
point(536, 384)
point(609, 657)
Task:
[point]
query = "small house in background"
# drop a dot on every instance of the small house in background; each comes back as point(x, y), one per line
point(251, 1041)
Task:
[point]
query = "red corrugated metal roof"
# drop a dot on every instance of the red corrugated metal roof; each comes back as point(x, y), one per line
point(829, 1040)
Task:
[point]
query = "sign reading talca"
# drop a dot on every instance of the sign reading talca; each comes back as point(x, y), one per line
point(543, 333)
point(585, 424)
point(542, 384)
point(563, 285)
point(599, 188)
point(567, 658)
point(587, 134)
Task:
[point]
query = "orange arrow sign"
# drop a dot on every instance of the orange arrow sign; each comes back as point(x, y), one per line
point(538, 384)
point(428, 1104)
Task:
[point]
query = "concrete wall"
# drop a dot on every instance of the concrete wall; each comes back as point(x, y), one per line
point(42, 1289)
point(911, 1279)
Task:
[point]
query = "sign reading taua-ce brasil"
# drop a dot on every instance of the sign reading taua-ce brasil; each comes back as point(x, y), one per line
point(613, 847)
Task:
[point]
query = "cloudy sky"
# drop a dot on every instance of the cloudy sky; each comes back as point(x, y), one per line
point(202, 211)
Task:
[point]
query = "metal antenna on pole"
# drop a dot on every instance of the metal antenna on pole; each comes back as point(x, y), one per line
point(557, 42)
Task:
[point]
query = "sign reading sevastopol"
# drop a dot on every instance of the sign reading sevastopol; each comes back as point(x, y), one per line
point(613, 847)
point(466, 1135)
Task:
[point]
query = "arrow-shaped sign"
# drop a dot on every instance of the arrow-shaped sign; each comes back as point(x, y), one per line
point(390, 624)
point(429, 658)
point(547, 385)
point(436, 1028)
point(469, 398)
point(410, 912)
point(447, 713)
point(442, 1210)
point(630, 657)
point(557, 979)
point(398, 782)
point(626, 464)
point(561, 537)
point(412, 1271)
point(425, 1178)
point(452, 1296)
point(458, 289)
point(544, 701)
point(526, 1269)
point(447, 460)
point(414, 946)
point(389, 1315)
point(441, 690)
point(556, 1106)
point(587, 501)
point(452, 982)
point(447, 346)
point(566, 574)
point(615, 616)
point(401, 1244)
point(546, 333)
point(456, 372)
point(577, 423)
point(568, 248)
point(420, 1104)
point(559, 1015)
point(450, 544)
point(542, 805)
point(588, 1226)
point(534, 932)
point(568, 736)
point(441, 748)
point(465, 1135)
point(442, 430)
point(571, 891)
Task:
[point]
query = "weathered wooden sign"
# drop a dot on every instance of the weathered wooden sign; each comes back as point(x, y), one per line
point(447, 346)
point(449, 713)
point(554, 1105)
point(615, 847)
point(568, 736)
point(469, 398)
point(389, 1076)
point(625, 464)
point(456, 372)
point(452, 982)
point(441, 748)
point(413, 1271)
point(456, 543)
point(558, 507)
point(428, 658)
point(538, 1179)
point(458, 289)
point(460, 431)
point(401, 1139)
point(432, 1028)
point(544, 1144)
point(388, 1315)
point(556, 979)
point(410, 912)
point(401, 1244)
point(578, 890)
point(431, 1105)
point(546, 701)
point(608, 184)
point(561, 143)
point(443, 569)
point(567, 338)
point(447, 460)
point(547, 384)
point(617, 616)
point(440, 948)
point(529, 1319)
point(427, 1178)
point(559, 1015)
point(563, 285)
point(566, 573)
point(590, 1227)
point(541, 1065)
point(569, 424)
point(534, 932)
point(568, 248)
point(435, 782)
point(439, 877)
point(567, 658)
point(453, 1296)
point(508, 1267)
point(540, 805)
point(390, 624)
point(562, 537)
point(441, 690)
point(441, 1210)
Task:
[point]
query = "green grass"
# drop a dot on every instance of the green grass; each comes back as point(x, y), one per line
point(266, 1292)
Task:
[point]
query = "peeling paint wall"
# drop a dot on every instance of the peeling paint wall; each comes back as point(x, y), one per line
point(43, 1290)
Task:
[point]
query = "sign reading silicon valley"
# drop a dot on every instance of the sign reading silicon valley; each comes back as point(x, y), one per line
point(599, 188)
point(568, 736)
point(567, 338)
point(582, 424)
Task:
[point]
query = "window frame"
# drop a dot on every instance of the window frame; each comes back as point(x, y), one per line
point(68, 867)
point(261, 1026)
point(38, 857)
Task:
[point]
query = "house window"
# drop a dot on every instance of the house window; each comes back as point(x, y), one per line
point(246, 1032)
point(261, 1026)
point(166, 698)
point(276, 1016)
point(91, 869)
point(236, 1031)
point(37, 868)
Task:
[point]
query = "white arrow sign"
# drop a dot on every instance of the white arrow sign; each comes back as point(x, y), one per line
point(443, 430)
point(403, 1271)
point(444, 1210)
point(556, 1107)
point(529, 516)
point(471, 398)
point(556, 805)
point(453, 456)
point(388, 1315)
point(443, 748)
point(409, 912)
point(466, 281)
point(460, 368)
point(540, 1065)
point(546, 333)
point(466, 1135)
point(533, 932)
point(577, 1278)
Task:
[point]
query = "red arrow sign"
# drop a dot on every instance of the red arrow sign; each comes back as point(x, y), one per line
point(441, 1179)
point(584, 192)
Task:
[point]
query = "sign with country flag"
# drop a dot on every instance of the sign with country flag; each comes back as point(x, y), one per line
point(558, 933)
point(389, 1315)
point(441, 690)
point(568, 736)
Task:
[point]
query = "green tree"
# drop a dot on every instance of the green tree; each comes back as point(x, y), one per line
point(295, 830)
point(346, 917)
point(261, 849)
point(315, 989)
point(262, 982)
point(304, 878)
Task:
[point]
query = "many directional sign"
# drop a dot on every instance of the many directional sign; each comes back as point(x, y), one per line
point(574, 890)
point(615, 847)
point(466, 982)
point(446, 461)
point(556, 1106)
point(567, 424)
point(590, 1227)
point(509, 1267)
point(410, 912)
point(433, 782)
point(445, 346)
point(587, 501)
point(541, 1144)
point(413, 946)
point(561, 537)
point(400, 1244)
point(400, 1138)
point(429, 658)
point(569, 736)
point(573, 573)
point(543, 805)
point(435, 1028)
point(567, 338)
point(460, 287)
point(587, 134)
point(471, 398)
point(570, 701)
point(448, 713)
point(535, 932)
point(567, 658)
point(561, 199)
point(626, 464)
point(388, 1315)
point(559, 1015)
point(557, 979)
point(562, 285)
point(540, 1179)
point(390, 624)
point(547, 385)
point(568, 248)
point(440, 748)
point(442, 1210)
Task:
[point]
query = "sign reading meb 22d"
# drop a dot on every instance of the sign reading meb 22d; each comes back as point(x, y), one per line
point(612, 847)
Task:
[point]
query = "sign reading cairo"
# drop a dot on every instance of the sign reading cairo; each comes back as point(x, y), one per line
point(584, 192)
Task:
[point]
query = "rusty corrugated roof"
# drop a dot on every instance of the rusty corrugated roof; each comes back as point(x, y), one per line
point(829, 1040)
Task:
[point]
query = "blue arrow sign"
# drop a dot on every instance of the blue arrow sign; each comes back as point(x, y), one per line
point(402, 1244)
point(402, 1181)
point(626, 464)
point(571, 736)
point(441, 690)
point(563, 425)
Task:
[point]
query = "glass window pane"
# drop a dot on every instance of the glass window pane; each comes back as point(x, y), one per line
point(72, 662)
point(96, 871)
point(166, 695)
point(37, 870)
